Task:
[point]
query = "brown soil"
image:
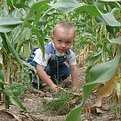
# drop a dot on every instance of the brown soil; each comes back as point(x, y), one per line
point(34, 100)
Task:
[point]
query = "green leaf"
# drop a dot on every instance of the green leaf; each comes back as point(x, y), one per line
point(75, 114)
point(1, 75)
point(9, 21)
point(116, 40)
point(87, 89)
point(6, 101)
point(15, 34)
point(40, 39)
point(11, 48)
point(103, 72)
point(110, 0)
point(40, 12)
point(99, 74)
point(5, 29)
point(66, 6)
point(1, 61)
point(33, 9)
point(1, 45)
point(16, 102)
point(9, 97)
point(94, 58)
point(29, 66)
point(110, 29)
point(110, 19)
point(1, 85)
point(91, 10)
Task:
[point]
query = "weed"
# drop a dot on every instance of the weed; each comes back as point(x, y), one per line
point(59, 105)
point(18, 88)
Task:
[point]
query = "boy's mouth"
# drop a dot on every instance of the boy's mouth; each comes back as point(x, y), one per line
point(63, 50)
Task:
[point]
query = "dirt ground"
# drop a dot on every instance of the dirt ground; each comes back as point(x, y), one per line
point(34, 101)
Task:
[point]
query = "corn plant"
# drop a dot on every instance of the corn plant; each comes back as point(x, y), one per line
point(21, 29)
point(27, 24)
point(107, 71)
point(10, 59)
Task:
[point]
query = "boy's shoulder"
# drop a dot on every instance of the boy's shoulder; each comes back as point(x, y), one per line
point(49, 48)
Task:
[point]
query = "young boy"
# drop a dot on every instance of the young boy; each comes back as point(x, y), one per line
point(59, 60)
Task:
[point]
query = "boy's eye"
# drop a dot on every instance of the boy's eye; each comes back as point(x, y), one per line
point(59, 40)
point(68, 42)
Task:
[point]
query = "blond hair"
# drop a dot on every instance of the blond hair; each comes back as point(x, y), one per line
point(65, 25)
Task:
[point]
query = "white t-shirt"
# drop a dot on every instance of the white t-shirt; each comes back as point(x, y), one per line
point(71, 58)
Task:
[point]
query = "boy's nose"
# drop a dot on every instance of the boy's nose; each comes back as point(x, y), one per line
point(63, 45)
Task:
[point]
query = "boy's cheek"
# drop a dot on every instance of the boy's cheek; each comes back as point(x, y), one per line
point(57, 46)
point(69, 47)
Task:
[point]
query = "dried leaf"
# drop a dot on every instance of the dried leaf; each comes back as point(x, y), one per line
point(99, 111)
point(10, 115)
point(106, 91)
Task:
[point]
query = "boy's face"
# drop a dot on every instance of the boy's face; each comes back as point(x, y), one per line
point(63, 39)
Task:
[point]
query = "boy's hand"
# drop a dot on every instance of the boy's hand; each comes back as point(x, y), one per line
point(54, 88)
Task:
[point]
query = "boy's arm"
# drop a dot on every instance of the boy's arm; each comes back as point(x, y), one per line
point(74, 77)
point(44, 77)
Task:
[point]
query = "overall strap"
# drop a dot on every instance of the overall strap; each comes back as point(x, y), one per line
point(31, 57)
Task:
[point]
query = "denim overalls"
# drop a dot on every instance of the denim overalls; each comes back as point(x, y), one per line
point(56, 68)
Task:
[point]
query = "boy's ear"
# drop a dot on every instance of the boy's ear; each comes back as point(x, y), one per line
point(52, 38)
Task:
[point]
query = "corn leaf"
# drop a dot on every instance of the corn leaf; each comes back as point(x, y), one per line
point(9, 97)
point(92, 10)
point(11, 48)
point(66, 6)
point(33, 9)
point(103, 72)
point(6, 28)
point(29, 66)
point(8, 23)
point(1, 45)
point(8, 20)
point(1, 85)
point(6, 101)
point(40, 39)
point(110, 0)
point(40, 12)
point(99, 74)
point(1, 75)
point(16, 102)
point(105, 91)
point(1, 62)
point(116, 40)
point(75, 114)
point(110, 19)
